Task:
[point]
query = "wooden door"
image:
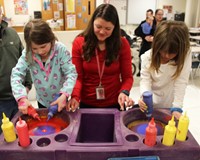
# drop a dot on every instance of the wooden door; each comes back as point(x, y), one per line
point(2, 5)
point(58, 11)
point(82, 14)
point(53, 10)
point(47, 12)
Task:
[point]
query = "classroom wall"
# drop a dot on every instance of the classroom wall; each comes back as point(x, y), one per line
point(178, 5)
point(133, 11)
point(20, 20)
point(136, 10)
point(192, 17)
point(66, 37)
point(191, 7)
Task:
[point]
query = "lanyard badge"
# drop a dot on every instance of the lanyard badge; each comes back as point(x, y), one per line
point(100, 92)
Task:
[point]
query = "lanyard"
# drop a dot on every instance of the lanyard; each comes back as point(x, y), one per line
point(98, 65)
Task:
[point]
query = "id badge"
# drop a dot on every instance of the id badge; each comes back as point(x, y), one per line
point(100, 94)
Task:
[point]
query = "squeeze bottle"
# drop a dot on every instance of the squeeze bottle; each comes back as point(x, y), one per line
point(8, 129)
point(182, 128)
point(32, 112)
point(169, 133)
point(23, 135)
point(151, 133)
point(53, 109)
point(147, 98)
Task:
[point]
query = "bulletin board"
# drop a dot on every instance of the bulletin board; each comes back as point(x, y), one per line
point(70, 15)
point(137, 10)
point(78, 13)
point(2, 6)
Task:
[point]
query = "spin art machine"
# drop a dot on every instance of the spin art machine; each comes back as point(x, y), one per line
point(96, 134)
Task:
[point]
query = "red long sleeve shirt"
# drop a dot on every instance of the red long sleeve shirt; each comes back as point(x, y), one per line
point(116, 77)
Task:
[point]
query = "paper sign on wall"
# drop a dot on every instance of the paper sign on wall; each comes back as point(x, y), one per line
point(70, 6)
point(71, 21)
point(21, 7)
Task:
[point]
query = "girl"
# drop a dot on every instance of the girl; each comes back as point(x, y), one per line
point(50, 66)
point(166, 67)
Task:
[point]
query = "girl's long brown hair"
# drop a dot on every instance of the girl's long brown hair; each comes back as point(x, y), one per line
point(39, 32)
point(171, 37)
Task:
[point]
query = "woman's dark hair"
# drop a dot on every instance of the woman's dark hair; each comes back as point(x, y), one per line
point(157, 10)
point(113, 43)
point(39, 32)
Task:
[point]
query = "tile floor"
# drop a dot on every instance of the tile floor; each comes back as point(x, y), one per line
point(191, 101)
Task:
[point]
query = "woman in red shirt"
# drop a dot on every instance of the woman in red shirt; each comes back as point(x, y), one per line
point(103, 63)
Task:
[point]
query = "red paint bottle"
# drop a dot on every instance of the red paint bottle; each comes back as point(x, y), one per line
point(151, 133)
point(22, 131)
point(32, 112)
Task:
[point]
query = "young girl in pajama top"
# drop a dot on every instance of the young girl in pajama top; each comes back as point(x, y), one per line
point(50, 65)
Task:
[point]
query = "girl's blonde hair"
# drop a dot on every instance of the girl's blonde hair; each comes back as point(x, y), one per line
point(39, 32)
point(171, 37)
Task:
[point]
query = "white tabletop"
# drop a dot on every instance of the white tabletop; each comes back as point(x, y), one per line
point(195, 49)
point(195, 38)
point(194, 31)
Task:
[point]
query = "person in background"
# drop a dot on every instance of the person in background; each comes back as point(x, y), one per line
point(166, 67)
point(146, 38)
point(158, 16)
point(129, 39)
point(50, 66)
point(147, 26)
point(10, 50)
point(103, 61)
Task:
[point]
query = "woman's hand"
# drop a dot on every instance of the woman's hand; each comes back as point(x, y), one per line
point(124, 101)
point(72, 105)
point(23, 105)
point(143, 107)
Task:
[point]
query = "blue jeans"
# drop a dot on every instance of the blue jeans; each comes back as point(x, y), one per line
point(10, 108)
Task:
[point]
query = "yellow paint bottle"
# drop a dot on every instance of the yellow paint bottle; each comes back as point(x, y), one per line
point(182, 128)
point(169, 133)
point(8, 129)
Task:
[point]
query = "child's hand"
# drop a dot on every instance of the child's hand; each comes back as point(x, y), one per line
point(72, 105)
point(23, 104)
point(176, 114)
point(61, 102)
point(142, 105)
